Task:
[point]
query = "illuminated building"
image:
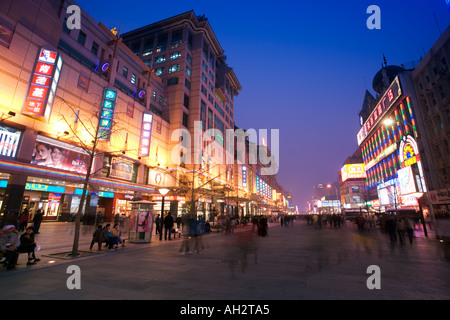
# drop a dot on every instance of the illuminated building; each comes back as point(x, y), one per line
point(393, 146)
point(352, 182)
point(58, 86)
point(431, 80)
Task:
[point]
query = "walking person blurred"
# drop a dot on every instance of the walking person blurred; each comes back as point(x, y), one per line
point(400, 224)
point(168, 225)
point(409, 229)
point(37, 219)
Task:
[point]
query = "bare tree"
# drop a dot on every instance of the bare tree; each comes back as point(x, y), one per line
point(86, 133)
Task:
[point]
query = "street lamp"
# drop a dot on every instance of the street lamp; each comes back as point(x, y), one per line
point(163, 192)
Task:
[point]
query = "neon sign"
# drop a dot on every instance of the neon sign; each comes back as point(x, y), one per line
point(107, 114)
point(43, 83)
point(146, 135)
point(388, 99)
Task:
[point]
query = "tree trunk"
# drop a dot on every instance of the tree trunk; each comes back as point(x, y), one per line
point(76, 238)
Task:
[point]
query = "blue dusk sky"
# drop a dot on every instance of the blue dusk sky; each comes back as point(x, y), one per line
point(304, 66)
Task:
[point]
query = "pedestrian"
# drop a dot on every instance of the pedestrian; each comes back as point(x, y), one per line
point(28, 245)
point(96, 237)
point(158, 224)
point(37, 219)
point(400, 224)
point(23, 220)
point(116, 235)
point(186, 234)
point(106, 236)
point(9, 242)
point(262, 226)
point(168, 225)
point(409, 229)
point(391, 230)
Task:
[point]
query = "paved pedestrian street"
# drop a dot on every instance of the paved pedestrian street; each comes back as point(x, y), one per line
point(299, 262)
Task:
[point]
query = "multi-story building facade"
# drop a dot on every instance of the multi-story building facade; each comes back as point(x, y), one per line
point(352, 183)
point(65, 93)
point(200, 89)
point(431, 80)
point(83, 92)
point(393, 142)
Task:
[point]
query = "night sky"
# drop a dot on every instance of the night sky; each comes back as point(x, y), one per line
point(304, 67)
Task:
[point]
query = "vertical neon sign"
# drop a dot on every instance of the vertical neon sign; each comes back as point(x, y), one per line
point(146, 135)
point(107, 114)
point(43, 83)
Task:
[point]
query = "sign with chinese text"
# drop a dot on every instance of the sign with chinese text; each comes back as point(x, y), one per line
point(388, 99)
point(353, 171)
point(43, 83)
point(146, 135)
point(107, 114)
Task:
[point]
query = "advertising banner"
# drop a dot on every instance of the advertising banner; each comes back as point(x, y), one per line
point(56, 154)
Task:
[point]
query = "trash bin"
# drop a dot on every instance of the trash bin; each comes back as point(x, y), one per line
point(141, 222)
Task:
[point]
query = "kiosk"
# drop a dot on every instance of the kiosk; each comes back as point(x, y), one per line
point(141, 222)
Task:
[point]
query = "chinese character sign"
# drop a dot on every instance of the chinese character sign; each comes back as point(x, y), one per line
point(107, 114)
point(146, 134)
point(43, 84)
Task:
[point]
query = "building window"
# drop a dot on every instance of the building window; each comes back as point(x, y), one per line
point(133, 78)
point(204, 91)
point(94, 48)
point(172, 81)
point(187, 84)
point(160, 59)
point(175, 55)
point(174, 68)
point(125, 72)
point(186, 101)
point(159, 71)
point(188, 71)
point(82, 38)
point(154, 95)
point(185, 119)
point(65, 28)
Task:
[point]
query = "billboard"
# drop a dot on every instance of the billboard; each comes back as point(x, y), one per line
point(56, 154)
point(387, 193)
point(406, 182)
point(353, 171)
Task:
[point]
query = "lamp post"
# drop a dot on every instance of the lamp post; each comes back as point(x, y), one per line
point(163, 192)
